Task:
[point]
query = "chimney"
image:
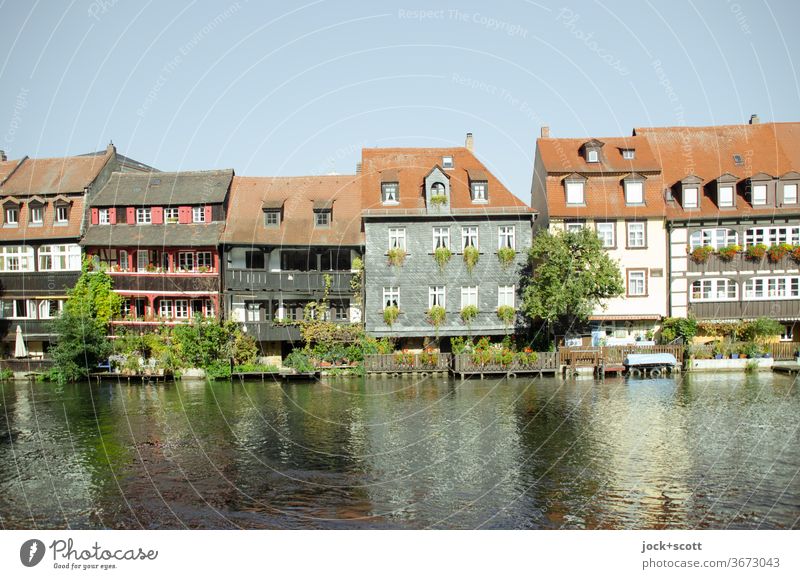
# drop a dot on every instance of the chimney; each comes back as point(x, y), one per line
point(358, 168)
point(469, 143)
point(545, 132)
point(754, 120)
point(3, 155)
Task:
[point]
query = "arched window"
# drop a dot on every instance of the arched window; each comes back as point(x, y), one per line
point(438, 189)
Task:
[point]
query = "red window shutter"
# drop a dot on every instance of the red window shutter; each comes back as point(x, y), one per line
point(208, 213)
point(131, 215)
point(184, 214)
point(95, 218)
point(112, 215)
point(157, 215)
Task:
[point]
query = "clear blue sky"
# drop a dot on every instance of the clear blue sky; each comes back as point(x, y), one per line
point(301, 88)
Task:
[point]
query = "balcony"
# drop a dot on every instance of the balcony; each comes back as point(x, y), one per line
point(269, 332)
point(299, 281)
point(31, 329)
point(740, 263)
point(41, 282)
point(166, 282)
point(777, 309)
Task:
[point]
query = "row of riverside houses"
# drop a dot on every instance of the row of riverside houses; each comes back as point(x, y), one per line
point(688, 212)
point(258, 249)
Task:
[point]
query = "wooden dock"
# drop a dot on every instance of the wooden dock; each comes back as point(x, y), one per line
point(786, 367)
point(119, 377)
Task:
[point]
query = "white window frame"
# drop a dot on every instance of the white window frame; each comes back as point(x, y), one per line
point(182, 309)
point(168, 311)
point(628, 154)
point(606, 229)
point(199, 214)
point(726, 195)
point(714, 290)
point(759, 194)
point(28, 314)
point(397, 238)
point(506, 296)
point(390, 193)
point(62, 213)
point(171, 215)
point(37, 214)
point(633, 240)
point(575, 193)
point(634, 192)
point(143, 216)
point(441, 237)
point(592, 156)
point(691, 197)
point(506, 237)
point(66, 257)
point(772, 235)
point(717, 238)
point(447, 162)
point(45, 312)
point(186, 261)
point(12, 216)
point(391, 296)
point(633, 283)
point(16, 258)
point(793, 198)
point(272, 218)
point(103, 217)
point(204, 259)
point(469, 237)
point(322, 218)
point(788, 332)
point(437, 296)
point(574, 226)
point(479, 191)
point(776, 287)
point(469, 296)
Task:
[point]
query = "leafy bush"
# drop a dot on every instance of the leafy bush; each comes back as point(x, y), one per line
point(728, 252)
point(390, 315)
point(506, 315)
point(468, 314)
point(760, 328)
point(673, 328)
point(460, 344)
point(299, 361)
point(442, 255)
point(397, 256)
point(506, 255)
point(471, 256)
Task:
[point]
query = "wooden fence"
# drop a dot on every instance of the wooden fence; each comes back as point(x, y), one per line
point(401, 362)
point(778, 350)
point(545, 362)
point(614, 355)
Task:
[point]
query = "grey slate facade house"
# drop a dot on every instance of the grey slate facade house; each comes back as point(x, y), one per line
point(422, 198)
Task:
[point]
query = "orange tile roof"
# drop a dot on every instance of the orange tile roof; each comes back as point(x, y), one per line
point(48, 230)
point(605, 198)
point(297, 196)
point(410, 166)
point(55, 175)
point(708, 152)
point(564, 155)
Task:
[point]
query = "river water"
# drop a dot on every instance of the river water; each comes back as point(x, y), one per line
point(702, 451)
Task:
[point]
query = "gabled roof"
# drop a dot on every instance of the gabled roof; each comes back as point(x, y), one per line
point(168, 188)
point(54, 175)
point(299, 197)
point(410, 166)
point(564, 155)
point(708, 152)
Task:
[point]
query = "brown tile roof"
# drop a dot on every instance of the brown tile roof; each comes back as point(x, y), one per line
point(298, 196)
point(409, 166)
point(48, 230)
point(55, 175)
point(6, 168)
point(708, 152)
point(564, 155)
point(605, 198)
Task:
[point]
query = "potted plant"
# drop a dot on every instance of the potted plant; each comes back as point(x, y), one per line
point(506, 256)
point(469, 313)
point(436, 316)
point(471, 256)
point(776, 252)
point(438, 200)
point(717, 351)
point(506, 315)
point(442, 255)
point(728, 252)
point(701, 254)
point(796, 253)
point(756, 252)
point(734, 352)
point(397, 256)
point(390, 315)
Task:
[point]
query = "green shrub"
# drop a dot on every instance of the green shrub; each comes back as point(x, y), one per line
point(442, 255)
point(506, 255)
point(471, 257)
point(460, 344)
point(390, 315)
point(506, 315)
point(468, 314)
point(299, 361)
point(397, 256)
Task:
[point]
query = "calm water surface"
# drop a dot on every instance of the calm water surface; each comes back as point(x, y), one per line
point(700, 452)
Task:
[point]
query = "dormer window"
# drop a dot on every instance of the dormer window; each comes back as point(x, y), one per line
point(759, 194)
point(726, 196)
point(323, 213)
point(447, 162)
point(628, 154)
point(389, 193)
point(272, 218)
point(143, 216)
point(37, 214)
point(634, 189)
point(790, 194)
point(592, 156)
point(479, 191)
point(726, 191)
point(438, 192)
point(690, 198)
point(198, 214)
point(104, 216)
point(574, 187)
point(690, 188)
point(591, 150)
point(12, 215)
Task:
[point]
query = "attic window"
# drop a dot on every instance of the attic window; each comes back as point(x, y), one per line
point(389, 193)
point(447, 162)
point(592, 156)
point(634, 192)
point(438, 190)
point(479, 191)
point(322, 218)
point(628, 153)
point(737, 159)
point(272, 217)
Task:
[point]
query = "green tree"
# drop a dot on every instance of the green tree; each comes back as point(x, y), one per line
point(82, 328)
point(571, 276)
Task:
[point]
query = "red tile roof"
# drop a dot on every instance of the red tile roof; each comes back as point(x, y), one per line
point(298, 197)
point(605, 198)
point(410, 166)
point(708, 152)
point(565, 155)
point(48, 230)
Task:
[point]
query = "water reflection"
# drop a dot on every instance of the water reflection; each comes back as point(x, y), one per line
point(700, 452)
